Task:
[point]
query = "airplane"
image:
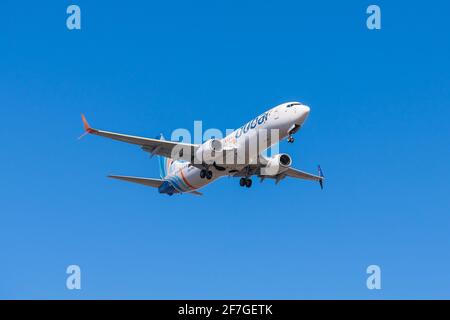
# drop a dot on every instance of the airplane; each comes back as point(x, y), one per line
point(186, 167)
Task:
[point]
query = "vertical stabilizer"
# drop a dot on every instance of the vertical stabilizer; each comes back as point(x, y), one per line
point(163, 163)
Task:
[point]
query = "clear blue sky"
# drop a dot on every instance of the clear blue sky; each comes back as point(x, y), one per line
point(379, 126)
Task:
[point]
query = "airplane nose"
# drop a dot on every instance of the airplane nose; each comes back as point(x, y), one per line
point(302, 112)
point(304, 109)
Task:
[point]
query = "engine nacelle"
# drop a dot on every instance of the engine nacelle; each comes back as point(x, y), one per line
point(277, 164)
point(209, 151)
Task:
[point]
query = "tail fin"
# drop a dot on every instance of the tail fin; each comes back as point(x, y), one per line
point(164, 163)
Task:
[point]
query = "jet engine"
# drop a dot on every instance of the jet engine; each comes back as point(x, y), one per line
point(277, 164)
point(210, 151)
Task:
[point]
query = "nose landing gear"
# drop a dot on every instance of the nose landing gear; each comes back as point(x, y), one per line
point(290, 139)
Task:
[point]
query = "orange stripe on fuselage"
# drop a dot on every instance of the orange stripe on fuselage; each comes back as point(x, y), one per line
point(185, 180)
point(168, 164)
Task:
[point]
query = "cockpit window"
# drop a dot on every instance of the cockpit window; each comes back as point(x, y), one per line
point(293, 104)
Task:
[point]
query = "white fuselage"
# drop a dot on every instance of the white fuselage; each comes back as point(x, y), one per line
point(278, 122)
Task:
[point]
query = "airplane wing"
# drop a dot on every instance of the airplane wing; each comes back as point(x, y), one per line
point(255, 169)
point(169, 149)
point(294, 173)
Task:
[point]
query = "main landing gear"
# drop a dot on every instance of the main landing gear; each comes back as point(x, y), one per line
point(247, 182)
point(206, 174)
point(290, 139)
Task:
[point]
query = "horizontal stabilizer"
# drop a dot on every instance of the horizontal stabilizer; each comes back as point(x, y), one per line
point(155, 183)
point(196, 193)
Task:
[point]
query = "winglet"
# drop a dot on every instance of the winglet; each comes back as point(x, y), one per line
point(87, 128)
point(320, 175)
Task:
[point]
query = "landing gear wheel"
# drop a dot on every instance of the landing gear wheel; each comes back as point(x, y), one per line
point(242, 182)
point(209, 174)
point(248, 183)
point(203, 173)
point(290, 139)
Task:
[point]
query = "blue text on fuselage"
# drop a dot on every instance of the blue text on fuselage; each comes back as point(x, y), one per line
point(252, 124)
